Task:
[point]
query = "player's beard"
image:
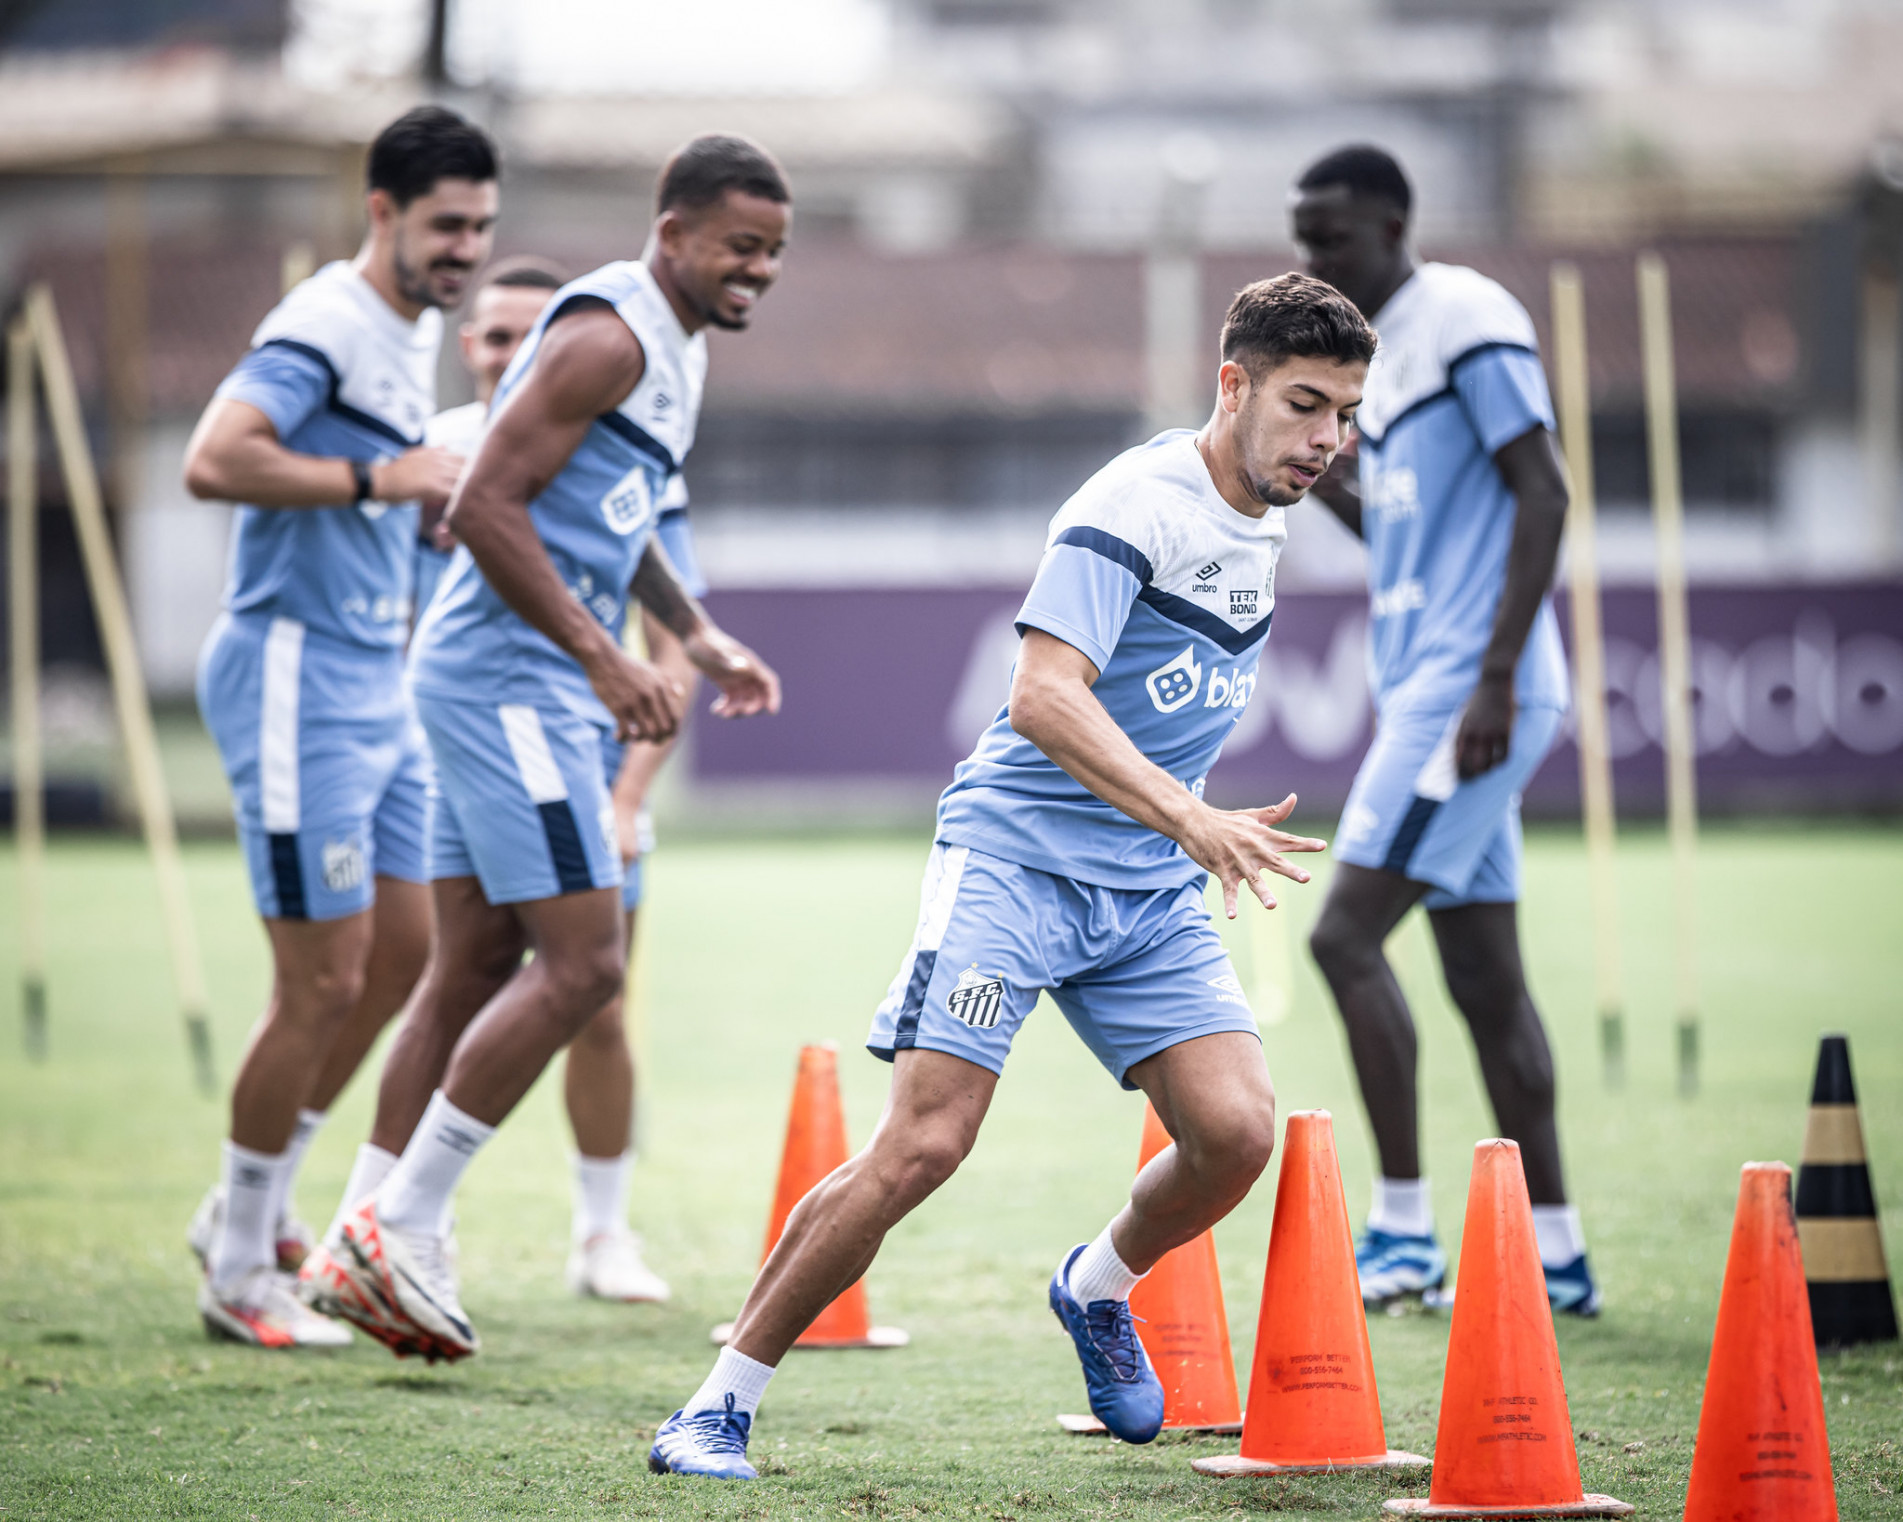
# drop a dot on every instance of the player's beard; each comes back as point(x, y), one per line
point(412, 284)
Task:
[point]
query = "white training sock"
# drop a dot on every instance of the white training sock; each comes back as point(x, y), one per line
point(1403, 1207)
point(416, 1196)
point(733, 1374)
point(246, 1241)
point(1560, 1235)
point(284, 1184)
point(1099, 1274)
point(371, 1168)
point(601, 1193)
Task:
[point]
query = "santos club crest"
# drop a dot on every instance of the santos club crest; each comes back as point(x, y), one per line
point(975, 999)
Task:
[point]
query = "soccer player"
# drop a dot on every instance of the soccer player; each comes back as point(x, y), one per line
point(598, 1071)
point(316, 434)
point(1460, 497)
point(520, 680)
point(1072, 851)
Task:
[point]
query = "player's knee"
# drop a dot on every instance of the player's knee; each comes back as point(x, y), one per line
point(325, 995)
point(1339, 946)
point(588, 978)
point(1232, 1147)
point(915, 1161)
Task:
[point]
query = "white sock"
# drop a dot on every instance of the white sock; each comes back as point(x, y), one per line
point(733, 1374)
point(601, 1192)
point(1403, 1207)
point(284, 1185)
point(1560, 1235)
point(417, 1194)
point(371, 1168)
point(1099, 1274)
point(246, 1242)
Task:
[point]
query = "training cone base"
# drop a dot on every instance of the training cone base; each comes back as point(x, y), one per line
point(876, 1337)
point(1079, 1424)
point(1585, 1506)
point(1228, 1466)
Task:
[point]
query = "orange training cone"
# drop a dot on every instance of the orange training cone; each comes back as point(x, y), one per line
point(815, 1145)
point(1505, 1444)
point(1178, 1306)
point(1763, 1454)
point(1313, 1406)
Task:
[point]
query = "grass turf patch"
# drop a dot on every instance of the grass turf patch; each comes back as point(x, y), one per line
point(113, 1403)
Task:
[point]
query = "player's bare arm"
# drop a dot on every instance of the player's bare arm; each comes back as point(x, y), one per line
point(1531, 468)
point(587, 365)
point(235, 456)
point(747, 684)
point(1053, 707)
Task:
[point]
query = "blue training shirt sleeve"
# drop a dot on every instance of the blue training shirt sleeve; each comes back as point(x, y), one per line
point(677, 538)
point(1082, 597)
point(286, 384)
point(1503, 392)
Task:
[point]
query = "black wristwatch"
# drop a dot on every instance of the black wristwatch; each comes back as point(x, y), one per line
point(360, 470)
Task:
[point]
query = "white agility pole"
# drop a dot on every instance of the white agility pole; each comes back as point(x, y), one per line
point(1589, 662)
point(23, 603)
point(122, 663)
point(1675, 673)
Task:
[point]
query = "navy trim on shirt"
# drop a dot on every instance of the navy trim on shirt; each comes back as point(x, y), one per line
point(1447, 390)
point(639, 437)
point(335, 403)
point(1180, 610)
point(1110, 547)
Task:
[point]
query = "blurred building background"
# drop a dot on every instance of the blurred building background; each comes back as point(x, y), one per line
point(1018, 224)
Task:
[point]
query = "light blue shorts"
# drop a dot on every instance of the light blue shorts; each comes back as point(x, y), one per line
point(1409, 812)
point(327, 766)
point(521, 803)
point(1135, 971)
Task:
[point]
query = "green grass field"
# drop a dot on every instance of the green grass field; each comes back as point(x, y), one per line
point(113, 1403)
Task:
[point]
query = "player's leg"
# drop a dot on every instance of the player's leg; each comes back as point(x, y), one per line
point(1399, 793)
point(1161, 1007)
point(931, 1118)
point(946, 1026)
point(598, 1086)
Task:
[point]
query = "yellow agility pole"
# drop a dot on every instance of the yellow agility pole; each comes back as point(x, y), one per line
point(1272, 960)
point(23, 603)
point(1589, 662)
point(122, 662)
point(1675, 673)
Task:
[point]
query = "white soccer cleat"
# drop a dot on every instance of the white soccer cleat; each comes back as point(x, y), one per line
point(608, 1266)
point(292, 1239)
point(407, 1298)
point(263, 1311)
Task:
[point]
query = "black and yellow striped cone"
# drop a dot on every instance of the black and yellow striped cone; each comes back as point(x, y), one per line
point(1844, 1266)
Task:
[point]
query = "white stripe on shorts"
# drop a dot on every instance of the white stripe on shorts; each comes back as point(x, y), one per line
point(940, 895)
point(277, 731)
point(534, 762)
point(1438, 775)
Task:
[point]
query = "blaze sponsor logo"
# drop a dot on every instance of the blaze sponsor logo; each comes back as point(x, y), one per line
point(1406, 596)
point(1173, 685)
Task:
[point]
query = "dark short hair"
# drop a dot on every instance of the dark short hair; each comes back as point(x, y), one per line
point(1294, 317)
point(424, 145)
point(1366, 171)
point(523, 272)
point(699, 173)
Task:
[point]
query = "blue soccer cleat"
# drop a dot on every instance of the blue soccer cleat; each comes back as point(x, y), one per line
point(712, 1444)
point(1571, 1289)
point(1390, 1266)
point(1125, 1394)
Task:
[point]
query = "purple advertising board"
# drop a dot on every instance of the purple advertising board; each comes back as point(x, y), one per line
point(1798, 695)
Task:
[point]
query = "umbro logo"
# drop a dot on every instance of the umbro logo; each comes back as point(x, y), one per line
point(1209, 570)
point(662, 401)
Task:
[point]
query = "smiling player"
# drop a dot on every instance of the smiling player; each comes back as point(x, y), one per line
point(316, 434)
point(520, 680)
point(1072, 851)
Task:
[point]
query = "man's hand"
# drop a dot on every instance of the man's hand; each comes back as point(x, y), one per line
point(1239, 845)
point(425, 474)
point(748, 685)
point(646, 702)
point(1486, 728)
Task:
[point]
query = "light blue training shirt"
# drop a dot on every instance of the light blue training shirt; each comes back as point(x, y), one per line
point(594, 518)
point(1457, 376)
point(1169, 591)
point(339, 373)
